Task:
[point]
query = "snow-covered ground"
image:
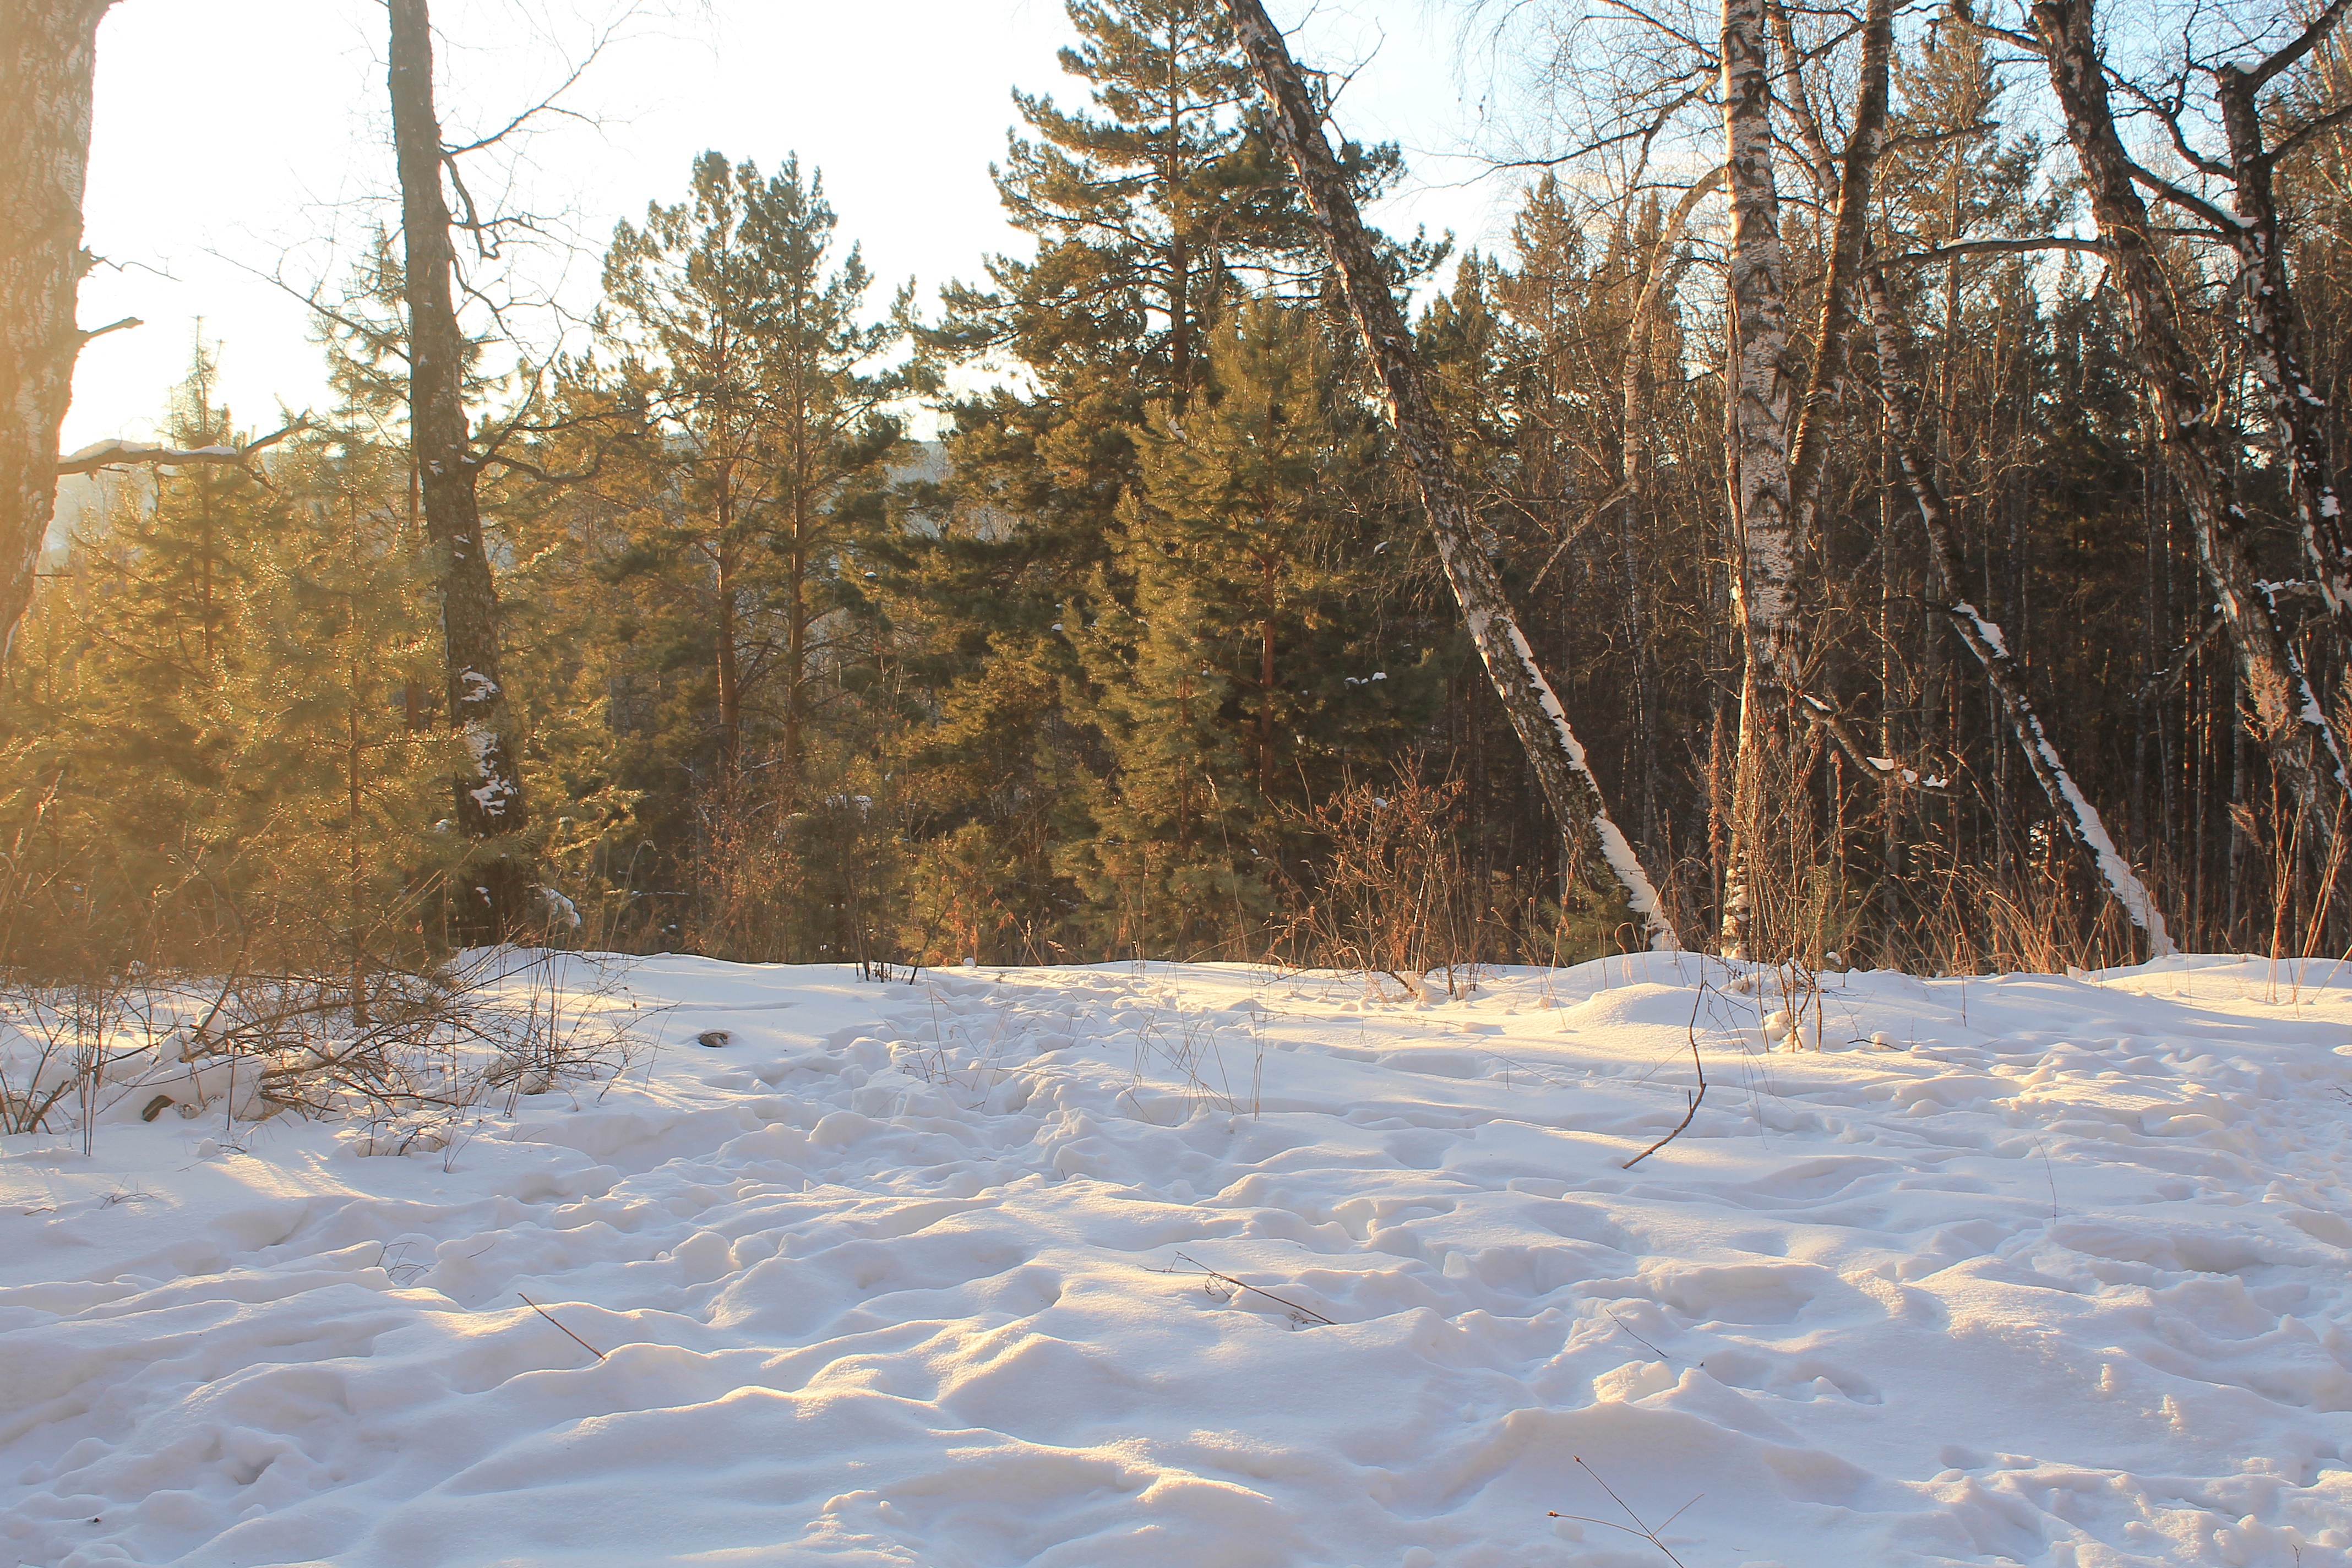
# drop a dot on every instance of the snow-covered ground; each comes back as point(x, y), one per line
point(2054, 1273)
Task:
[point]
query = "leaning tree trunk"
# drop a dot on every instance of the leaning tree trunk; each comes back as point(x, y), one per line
point(2076, 816)
point(489, 800)
point(2288, 716)
point(2298, 409)
point(1759, 392)
point(1850, 237)
point(1552, 749)
point(49, 60)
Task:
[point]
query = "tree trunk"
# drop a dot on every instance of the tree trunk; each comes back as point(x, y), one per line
point(2298, 408)
point(2288, 716)
point(1552, 749)
point(1759, 392)
point(2076, 813)
point(48, 61)
point(1850, 239)
point(796, 625)
point(1272, 572)
point(723, 630)
point(489, 799)
point(731, 687)
point(1180, 260)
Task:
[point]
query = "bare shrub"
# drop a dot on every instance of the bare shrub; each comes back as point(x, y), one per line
point(1385, 900)
point(425, 1051)
point(817, 881)
point(1388, 889)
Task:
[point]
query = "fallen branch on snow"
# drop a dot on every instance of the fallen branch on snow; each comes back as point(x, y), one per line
point(1303, 1316)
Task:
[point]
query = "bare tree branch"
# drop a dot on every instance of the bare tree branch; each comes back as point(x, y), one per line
point(92, 334)
point(1936, 253)
point(2302, 45)
point(113, 453)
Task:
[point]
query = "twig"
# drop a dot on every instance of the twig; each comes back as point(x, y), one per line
point(1637, 1529)
point(1701, 1068)
point(1650, 1348)
point(1303, 1312)
point(567, 1334)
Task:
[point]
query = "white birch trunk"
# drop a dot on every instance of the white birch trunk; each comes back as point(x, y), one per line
point(1553, 752)
point(2288, 717)
point(1759, 393)
point(2076, 816)
point(48, 56)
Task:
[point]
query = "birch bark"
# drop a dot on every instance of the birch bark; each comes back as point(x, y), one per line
point(1553, 752)
point(2298, 408)
point(48, 61)
point(2288, 717)
point(1759, 393)
point(2078, 818)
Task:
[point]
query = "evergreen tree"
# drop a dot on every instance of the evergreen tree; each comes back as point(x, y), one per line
point(347, 787)
point(213, 735)
point(1253, 670)
point(746, 362)
point(724, 534)
point(1151, 205)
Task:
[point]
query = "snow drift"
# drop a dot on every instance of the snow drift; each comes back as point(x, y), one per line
point(1211, 1267)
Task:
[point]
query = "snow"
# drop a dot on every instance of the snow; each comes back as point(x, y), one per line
point(1641, 896)
point(2114, 869)
point(1989, 631)
point(2034, 1270)
point(116, 450)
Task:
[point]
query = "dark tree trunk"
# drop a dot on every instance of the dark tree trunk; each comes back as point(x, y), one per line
point(796, 646)
point(494, 902)
point(49, 60)
point(1807, 448)
point(1552, 749)
point(723, 631)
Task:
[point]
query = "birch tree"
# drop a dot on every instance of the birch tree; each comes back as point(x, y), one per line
point(2076, 817)
point(48, 62)
point(1542, 725)
point(2191, 427)
point(1774, 419)
point(1758, 394)
point(2297, 407)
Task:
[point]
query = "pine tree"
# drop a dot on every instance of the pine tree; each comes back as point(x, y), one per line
point(1251, 672)
point(1151, 206)
point(746, 362)
point(212, 731)
point(173, 582)
point(347, 789)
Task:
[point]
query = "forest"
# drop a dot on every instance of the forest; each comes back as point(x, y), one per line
point(1254, 887)
point(1879, 506)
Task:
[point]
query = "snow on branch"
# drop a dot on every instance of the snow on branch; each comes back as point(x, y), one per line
point(1995, 248)
point(115, 453)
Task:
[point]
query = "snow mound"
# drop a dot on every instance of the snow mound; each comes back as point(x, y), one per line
point(1210, 1267)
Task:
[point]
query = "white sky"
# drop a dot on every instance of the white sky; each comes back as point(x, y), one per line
point(223, 151)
